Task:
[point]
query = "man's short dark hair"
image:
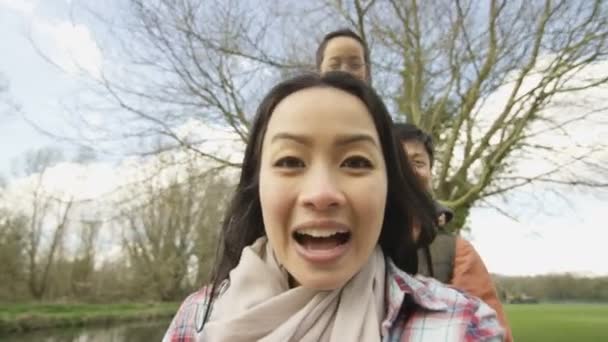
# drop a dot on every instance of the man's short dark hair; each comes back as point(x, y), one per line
point(344, 32)
point(409, 132)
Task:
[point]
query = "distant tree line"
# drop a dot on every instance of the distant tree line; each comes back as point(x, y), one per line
point(153, 241)
point(554, 288)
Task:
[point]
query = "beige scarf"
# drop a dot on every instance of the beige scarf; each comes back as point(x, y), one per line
point(259, 305)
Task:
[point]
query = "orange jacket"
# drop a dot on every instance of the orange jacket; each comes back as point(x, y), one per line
point(470, 275)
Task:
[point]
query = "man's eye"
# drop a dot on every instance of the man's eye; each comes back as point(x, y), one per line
point(357, 162)
point(289, 162)
point(355, 66)
point(419, 165)
point(334, 66)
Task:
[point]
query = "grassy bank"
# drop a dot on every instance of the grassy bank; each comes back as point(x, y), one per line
point(559, 322)
point(539, 322)
point(24, 317)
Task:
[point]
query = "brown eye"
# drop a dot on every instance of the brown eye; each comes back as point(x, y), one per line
point(419, 164)
point(289, 163)
point(357, 162)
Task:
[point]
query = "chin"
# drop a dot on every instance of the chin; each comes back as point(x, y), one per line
point(326, 281)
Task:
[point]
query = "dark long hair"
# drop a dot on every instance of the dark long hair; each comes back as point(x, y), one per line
point(243, 223)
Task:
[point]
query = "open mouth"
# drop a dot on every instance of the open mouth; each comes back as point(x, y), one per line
point(321, 240)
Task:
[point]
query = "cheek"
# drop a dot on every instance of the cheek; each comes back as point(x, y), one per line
point(427, 174)
point(275, 202)
point(421, 174)
point(364, 74)
point(370, 205)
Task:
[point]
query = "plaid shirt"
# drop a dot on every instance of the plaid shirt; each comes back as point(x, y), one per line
point(442, 313)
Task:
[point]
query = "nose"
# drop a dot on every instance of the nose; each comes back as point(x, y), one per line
point(322, 191)
point(344, 67)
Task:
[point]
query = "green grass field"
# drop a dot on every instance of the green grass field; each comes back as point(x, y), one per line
point(529, 322)
point(24, 317)
point(558, 322)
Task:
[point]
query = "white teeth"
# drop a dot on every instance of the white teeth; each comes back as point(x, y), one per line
point(320, 233)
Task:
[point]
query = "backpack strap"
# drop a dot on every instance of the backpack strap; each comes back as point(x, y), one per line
point(442, 251)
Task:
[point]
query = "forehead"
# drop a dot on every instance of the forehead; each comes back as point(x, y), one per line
point(343, 46)
point(415, 147)
point(321, 111)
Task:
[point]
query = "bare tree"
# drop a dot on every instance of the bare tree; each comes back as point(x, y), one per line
point(47, 220)
point(83, 263)
point(484, 78)
point(169, 229)
point(177, 67)
point(12, 243)
point(213, 206)
point(442, 63)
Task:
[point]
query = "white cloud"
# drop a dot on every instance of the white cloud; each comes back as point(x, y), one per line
point(218, 141)
point(113, 183)
point(26, 7)
point(69, 45)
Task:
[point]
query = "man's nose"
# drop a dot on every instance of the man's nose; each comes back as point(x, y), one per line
point(344, 67)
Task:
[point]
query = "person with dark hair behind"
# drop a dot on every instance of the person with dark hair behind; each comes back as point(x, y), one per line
point(343, 50)
point(453, 259)
point(313, 245)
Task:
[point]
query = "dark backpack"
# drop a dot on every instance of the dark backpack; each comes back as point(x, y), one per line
point(441, 254)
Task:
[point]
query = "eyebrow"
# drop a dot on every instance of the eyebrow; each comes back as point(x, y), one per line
point(340, 141)
point(288, 136)
point(348, 58)
point(355, 138)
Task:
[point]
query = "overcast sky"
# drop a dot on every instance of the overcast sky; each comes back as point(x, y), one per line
point(550, 235)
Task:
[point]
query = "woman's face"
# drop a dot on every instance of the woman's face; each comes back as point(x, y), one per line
point(323, 186)
point(344, 54)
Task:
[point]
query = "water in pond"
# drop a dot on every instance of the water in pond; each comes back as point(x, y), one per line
point(131, 332)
